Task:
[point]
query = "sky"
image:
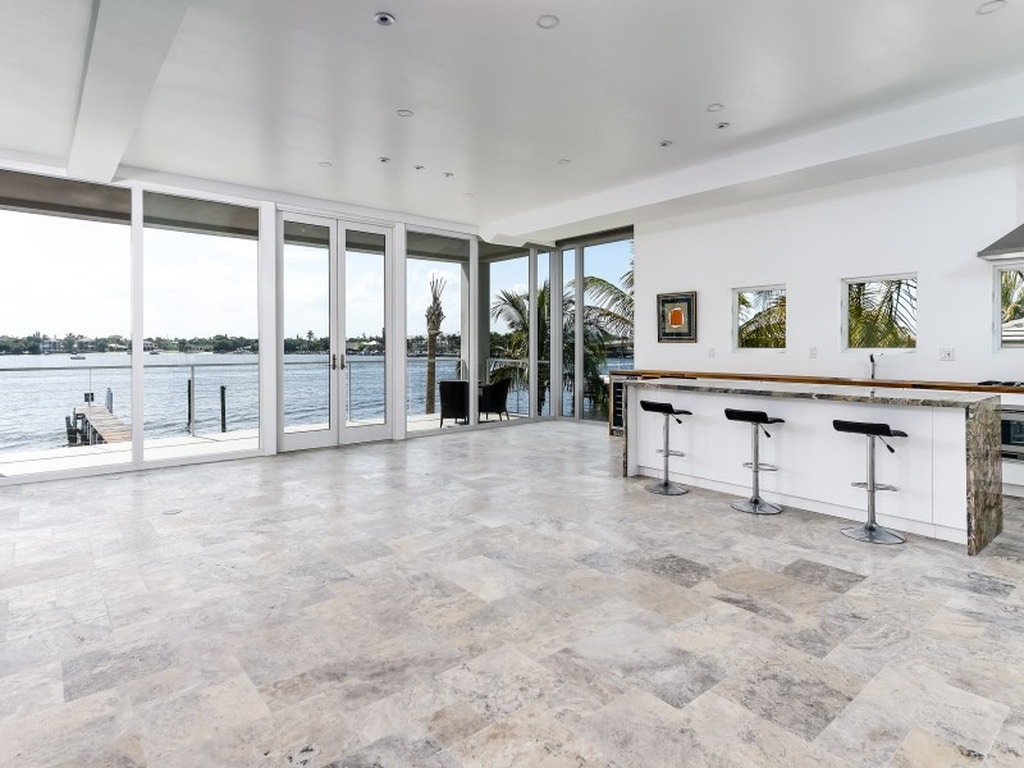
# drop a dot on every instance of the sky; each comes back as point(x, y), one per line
point(64, 275)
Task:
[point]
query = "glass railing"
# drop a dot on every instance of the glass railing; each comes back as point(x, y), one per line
point(59, 401)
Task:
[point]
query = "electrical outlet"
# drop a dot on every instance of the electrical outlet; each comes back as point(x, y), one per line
point(946, 354)
point(711, 351)
point(812, 353)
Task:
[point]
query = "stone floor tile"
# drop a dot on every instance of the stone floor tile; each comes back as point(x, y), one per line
point(445, 602)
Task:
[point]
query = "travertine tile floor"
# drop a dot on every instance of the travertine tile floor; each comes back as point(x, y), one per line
point(492, 598)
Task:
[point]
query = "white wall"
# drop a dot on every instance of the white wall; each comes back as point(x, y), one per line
point(930, 221)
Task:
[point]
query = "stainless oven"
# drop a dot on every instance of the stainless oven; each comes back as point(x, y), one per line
point(1013, 433)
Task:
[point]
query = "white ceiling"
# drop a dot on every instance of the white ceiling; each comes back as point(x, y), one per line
point(262, 92)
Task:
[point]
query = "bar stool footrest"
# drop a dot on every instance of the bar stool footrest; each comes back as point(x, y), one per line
point(666, 489)
point(878, 486)
point(755, 506)
point(873, 534)
point(761, 467)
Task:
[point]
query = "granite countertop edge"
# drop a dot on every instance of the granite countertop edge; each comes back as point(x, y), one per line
point(833, 392)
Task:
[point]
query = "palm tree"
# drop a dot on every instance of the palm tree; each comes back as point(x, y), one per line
point(435, 316)
point(514, 309)
point(882, 313)
point(762, 319)
point(1011, 288)
point(612, 303)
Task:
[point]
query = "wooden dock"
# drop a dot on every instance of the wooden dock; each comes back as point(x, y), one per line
point(98, 425)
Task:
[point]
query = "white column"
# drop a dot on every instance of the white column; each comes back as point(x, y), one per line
point(395, 331)
point(474, 328)
point(138, 288)
point(269, 293)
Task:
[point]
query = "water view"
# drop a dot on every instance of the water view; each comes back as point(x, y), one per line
point(41, 390)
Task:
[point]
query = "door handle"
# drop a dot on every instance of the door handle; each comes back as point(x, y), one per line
point(342, 366)
point(334, 362)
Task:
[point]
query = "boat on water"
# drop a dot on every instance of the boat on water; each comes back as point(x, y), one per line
point(78, 357)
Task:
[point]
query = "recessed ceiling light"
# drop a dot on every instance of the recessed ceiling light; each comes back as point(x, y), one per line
point(467, 194)
point(990, 7)
point(548, 21)
point(384, 159)
point(564, 161)
point(715, 107)
point(665, 143)
point(384, 18)
point(325, 163)
point(720, 126)
point(448, 174)
point(404, 112)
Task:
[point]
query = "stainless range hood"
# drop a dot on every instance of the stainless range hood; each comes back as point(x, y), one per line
point(1007, 247)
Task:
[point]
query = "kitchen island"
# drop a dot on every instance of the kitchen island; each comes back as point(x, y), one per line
point(948, 470)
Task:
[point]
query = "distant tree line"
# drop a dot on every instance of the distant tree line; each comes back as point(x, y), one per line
point(42, 344)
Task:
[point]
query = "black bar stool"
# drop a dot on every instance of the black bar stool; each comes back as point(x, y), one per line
point(755, 505)
point(871, 531)
point(666, 487)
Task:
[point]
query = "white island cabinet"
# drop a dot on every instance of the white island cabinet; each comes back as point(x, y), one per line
point(948, 469)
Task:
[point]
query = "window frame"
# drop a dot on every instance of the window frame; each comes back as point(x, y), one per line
point(844, 302)
point(735, 322)
point(1011, 265)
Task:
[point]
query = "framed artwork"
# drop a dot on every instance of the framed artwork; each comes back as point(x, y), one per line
point(677, 316)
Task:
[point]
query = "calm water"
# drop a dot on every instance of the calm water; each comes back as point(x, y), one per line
point(36, 401)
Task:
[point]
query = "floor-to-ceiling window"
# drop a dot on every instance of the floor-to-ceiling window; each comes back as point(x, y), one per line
point(505, 346)
point(597, 320)
point(542, 406)
point(161, 305)
point(566, 390)
point(437, 331)
point(65, 321)
point(607, 320)
point(306, 320)
point(201, 336)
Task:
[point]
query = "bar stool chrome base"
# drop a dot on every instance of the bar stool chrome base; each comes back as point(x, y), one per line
point(873, 534)
point(666, 488)
point(756, 507)
point(871, 531)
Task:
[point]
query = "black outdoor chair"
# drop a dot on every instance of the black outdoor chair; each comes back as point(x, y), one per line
point(454, 400)
point(494, 396)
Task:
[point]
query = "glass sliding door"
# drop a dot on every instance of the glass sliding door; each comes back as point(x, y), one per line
point(334, 384)
point(307, 384)
point(366, 354)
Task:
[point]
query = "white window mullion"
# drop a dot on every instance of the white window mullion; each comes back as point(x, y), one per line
point(269, 329)
point(394, 330)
